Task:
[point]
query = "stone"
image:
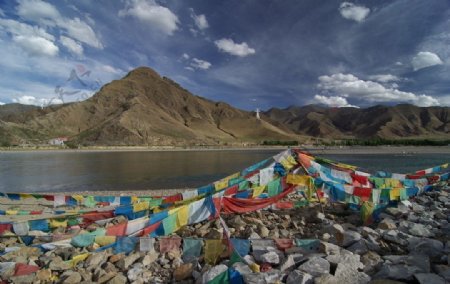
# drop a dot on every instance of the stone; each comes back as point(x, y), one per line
point(429, 278)
point(425, 246)
point(58, 264)
point(419, 230)
point(96, 259)
point(106, 277)
point(182, 272)
point(299, 277)
point(7, 269)
point(366, 231)
point(214, 272)
point(387, 224)
point(23, 252)
point(116, 257)
point(270, 257)
point(72, 278)
point(149, 258)
point(420, 261)
point(360, 247)
point(443, 271)
point(126, 262)
point(346, 261)
point(44, 275)
point(329, 248)
point(315, 266)
point(24, 279)
point(397, 272)
point(118, 279)
point(135, 272)
point(394, 237)
point(371, 261)
point(291, 262)
point(263, 231)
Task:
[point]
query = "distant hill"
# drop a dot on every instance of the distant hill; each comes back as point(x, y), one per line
point(401, 121)
point(144, 108)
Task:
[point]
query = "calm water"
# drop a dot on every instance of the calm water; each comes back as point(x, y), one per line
point(84, 171)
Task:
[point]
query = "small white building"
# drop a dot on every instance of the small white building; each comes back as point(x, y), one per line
point(59, 141)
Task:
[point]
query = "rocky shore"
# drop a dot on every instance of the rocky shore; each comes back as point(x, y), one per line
point(410, 244)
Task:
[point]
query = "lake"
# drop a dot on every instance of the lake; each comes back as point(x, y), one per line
point(133, 170)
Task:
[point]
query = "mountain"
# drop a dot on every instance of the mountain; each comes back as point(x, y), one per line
point(395, 122)
point(144, 108)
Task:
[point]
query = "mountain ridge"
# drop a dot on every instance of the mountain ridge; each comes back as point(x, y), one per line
point(144, 108)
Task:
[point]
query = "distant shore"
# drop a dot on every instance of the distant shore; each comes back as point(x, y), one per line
point(317, 150)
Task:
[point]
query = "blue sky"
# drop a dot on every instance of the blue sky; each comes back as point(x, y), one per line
point(251, 54)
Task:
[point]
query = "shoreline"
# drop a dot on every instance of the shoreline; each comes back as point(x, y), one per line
point(317, 150)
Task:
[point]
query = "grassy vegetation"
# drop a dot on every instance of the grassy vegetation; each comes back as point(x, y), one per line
point(279, 143)
point(394, 142)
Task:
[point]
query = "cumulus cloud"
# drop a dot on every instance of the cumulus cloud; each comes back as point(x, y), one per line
point(425, 59)
point(384, 78)
point(110, 69)
point(238, 49)
point(35, 45)
point(71, 45)
point(46, 14)
point(200, 64)
point(31, 100)
point(2, 103)
point(185, 56)
point(38, 11)
point(17, 28)
point(353, 12)
point(333, 101)
point(200, 21)
point(150, 12)
point(350, 86)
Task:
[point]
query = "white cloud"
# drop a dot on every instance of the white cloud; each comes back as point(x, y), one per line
point(333, 101)
point(185, 56)
point(35, 45)
point(189, 68)
point(71, 45)
point(353, 12)
point(425, 59)
point(350, 86)
point(384, 78)
point(2, 13)
point(31, 100)
point(47, 15)
point(17, 28)
point(2, 103)
point(200, 64)
point(150, 12)
point(238, 49)
point(81, 31)
point(110, 69)
point(200, 21)
point(38, 11)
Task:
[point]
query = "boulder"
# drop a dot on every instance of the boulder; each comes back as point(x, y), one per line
point(299, 277)
point(71, 277)
point(270, 257)
point(118, 279)
point(315, 266)
point(429, 278)
point(214, 272)
point(58, 264)
point(420, 230)
point(387, 224)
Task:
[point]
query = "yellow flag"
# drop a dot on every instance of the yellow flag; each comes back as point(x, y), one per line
point(257, 191)
point(298, 179)
point(183, 216)
point(78, 258)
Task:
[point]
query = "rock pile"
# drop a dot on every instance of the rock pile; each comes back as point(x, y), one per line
point(410, 244)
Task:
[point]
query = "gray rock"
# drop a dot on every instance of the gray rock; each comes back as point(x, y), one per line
point(7, 269)
point(270, 257)
point(329, 248)
point(397, 272)
point(366, 231)
point(58, 264)
point(371, 261)
point(420, 261)
point(360, 247)
point(443, 271)
point(425, 246)
point(96, 259)
point(72, 277)
point(387, 224)
point(315, 266)
point(394, 237)
point(149, 258)
point(135, 272)
point(263, 231)
point(124, 263)
point(213, 272)
point(420, 230)
point(299, 277)
point(118, 279)
point(429, 278)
